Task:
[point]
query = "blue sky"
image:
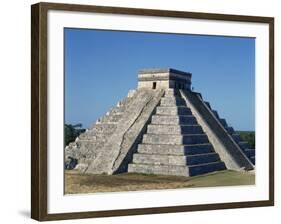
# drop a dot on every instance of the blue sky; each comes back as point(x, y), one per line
point(102, 66)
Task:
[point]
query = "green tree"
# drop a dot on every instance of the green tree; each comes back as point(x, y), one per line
point(248, 136)
point(71, 133)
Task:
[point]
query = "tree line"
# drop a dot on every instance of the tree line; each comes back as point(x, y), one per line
point(248, 136)
point(71, 132)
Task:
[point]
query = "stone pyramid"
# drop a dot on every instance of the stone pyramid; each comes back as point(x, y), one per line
point(161, 128)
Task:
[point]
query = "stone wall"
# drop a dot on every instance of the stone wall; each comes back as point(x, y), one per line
point(164, 78)
point(149, 84)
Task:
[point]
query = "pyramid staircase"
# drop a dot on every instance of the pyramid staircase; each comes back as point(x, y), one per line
point(174, 143)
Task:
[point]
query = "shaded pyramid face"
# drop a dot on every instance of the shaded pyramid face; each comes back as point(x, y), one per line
point(161, 128)
point(174, 143)
point(244, 145)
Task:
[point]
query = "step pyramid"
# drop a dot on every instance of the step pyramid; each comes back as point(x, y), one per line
point(162, 127)
point(174, 143)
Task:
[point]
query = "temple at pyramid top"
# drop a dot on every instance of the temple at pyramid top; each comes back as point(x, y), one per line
point(164, 79)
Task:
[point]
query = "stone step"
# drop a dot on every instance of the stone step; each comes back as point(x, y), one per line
point(216, 114)
point(124, 102)
point(175, 159)
point(172, 97)
point(172, 92)
point(181, 110)
point(236, 137)
point(158, 169)
point(93, 140)
point(175, 139)
point(174, 129)
point(111, 118)
point(223, 122)
point(175, 149)
point(206, 168)
point(93, 136)
point(208, 105)
point(250, 152)
point(253, 159)
point(230, 130)
point(243, 145)
point(173, 119)
point(172, 101)
point(117, 110)
point(87, 147)
point(102, 128)
point(176, 170)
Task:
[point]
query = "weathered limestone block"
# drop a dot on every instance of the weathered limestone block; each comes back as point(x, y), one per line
point(182, 119)
point(172, 92)
point(176, 170)
point(175, 139)
point(176, 159)
point(183, 110)
point(158, 169)
point(102, 128)
point(172, 101)
point(159, 159)
point(174, 129)
point(111, 118)
point(175, 149)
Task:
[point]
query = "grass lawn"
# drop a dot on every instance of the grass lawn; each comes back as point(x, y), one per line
point(88, 183)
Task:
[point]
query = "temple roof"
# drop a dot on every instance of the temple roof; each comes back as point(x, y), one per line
point(163, 70)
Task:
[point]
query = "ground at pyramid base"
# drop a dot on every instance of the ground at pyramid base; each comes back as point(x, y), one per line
point(162, 127)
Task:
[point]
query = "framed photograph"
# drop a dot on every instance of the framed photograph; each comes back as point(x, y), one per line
point(141, 111)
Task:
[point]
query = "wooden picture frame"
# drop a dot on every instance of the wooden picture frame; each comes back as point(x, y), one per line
point(39, 110)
